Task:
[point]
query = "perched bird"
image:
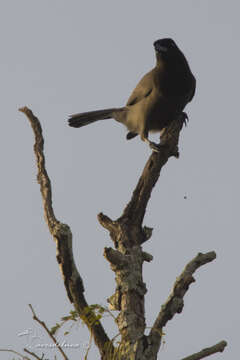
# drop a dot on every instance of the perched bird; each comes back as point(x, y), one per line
point(157, 100)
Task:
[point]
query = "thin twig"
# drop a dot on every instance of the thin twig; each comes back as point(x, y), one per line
point(42, 323)
point(207, 351)
point(33, 354)
point(89, 346)
point(16, 353)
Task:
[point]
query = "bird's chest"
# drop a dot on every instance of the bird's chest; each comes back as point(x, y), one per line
point(167, 101)
point(175, 83)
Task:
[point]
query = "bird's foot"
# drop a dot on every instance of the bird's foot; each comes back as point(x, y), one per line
point(184, 118)
point(155, 147)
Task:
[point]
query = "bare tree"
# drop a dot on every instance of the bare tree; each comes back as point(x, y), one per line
point(126, 260)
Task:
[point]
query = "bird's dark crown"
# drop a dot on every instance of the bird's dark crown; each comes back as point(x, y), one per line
point(163, 45)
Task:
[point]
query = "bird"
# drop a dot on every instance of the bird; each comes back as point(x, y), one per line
point(158, 99)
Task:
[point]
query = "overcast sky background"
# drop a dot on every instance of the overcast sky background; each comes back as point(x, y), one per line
point(62, 57)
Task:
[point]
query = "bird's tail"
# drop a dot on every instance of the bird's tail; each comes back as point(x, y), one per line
point(89, 117)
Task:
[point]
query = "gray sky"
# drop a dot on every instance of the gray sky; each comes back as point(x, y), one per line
point(61, 57)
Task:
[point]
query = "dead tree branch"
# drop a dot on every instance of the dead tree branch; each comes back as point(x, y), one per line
point(126, 260)
point(135, 210)
point(208, 351)
point(62, 236)
point(174, 303)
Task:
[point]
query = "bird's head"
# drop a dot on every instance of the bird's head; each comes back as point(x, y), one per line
point(164, 45)
point(165, 48)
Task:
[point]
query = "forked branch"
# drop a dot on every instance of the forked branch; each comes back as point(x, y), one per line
point(126, 261)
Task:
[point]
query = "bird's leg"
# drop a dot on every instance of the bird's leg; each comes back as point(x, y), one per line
point(144, 137)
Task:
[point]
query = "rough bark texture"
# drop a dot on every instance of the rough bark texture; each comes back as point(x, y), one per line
point(126, 259)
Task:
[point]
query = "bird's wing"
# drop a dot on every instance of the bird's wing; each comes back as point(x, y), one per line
point(142, 90)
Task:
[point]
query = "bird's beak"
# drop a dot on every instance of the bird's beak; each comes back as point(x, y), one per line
point(160, 48)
